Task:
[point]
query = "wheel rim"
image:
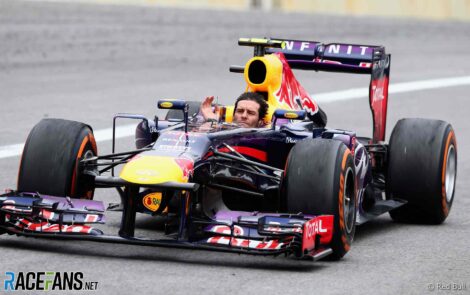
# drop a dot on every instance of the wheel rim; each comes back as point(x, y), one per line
point(349, 203)
point(450, 173)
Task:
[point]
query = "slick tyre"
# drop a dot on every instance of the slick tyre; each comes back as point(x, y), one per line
point(50, 160)
point(320, 180)
point(422, 170)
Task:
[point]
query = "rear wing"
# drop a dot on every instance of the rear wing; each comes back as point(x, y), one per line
point(337, 57)
point(333, 57)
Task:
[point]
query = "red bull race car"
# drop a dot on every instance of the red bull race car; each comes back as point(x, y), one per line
point(292, 187)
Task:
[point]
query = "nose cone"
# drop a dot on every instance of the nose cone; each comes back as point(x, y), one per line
point(157, 169)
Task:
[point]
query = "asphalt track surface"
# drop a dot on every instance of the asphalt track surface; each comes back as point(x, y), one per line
point(87, 62)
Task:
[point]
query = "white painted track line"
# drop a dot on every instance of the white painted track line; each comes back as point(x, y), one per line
point(14, 150)
point(362, 92)
point(100, 136)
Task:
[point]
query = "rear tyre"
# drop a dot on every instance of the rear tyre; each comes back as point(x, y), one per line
point(320, 180)
point(52, 152)
point(422, 170)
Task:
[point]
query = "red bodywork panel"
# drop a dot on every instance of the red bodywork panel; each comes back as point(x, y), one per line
point(321, 225)
point(378, 99)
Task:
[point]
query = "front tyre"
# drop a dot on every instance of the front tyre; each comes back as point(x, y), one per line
point(320, 180)
point(50, 160)
point(422, 170)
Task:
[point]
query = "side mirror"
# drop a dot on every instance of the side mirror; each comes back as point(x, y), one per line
point(174, 104)
point(289, 115)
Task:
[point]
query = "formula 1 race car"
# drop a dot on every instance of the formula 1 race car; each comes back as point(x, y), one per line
point(292, 187)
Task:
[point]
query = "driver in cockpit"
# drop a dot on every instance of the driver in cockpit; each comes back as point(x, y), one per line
point(249, 112)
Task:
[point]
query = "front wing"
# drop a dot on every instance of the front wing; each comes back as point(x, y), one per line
point(303, 236)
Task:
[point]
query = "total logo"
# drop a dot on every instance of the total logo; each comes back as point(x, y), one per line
point(314, 227)
point(377, 93)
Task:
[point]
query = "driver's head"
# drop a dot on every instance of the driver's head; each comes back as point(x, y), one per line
point(250, 109)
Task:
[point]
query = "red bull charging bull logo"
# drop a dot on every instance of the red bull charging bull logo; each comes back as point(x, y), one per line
point(291, 93)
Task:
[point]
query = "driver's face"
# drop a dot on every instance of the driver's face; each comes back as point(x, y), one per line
point(247, 114)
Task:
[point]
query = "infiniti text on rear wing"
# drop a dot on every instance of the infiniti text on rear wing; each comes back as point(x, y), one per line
point(345, 58)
